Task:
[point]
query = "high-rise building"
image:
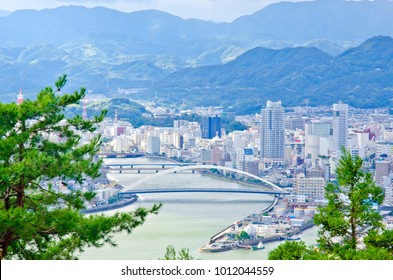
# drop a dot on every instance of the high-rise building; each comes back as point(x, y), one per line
point(211, 127)
point(153, 145)
point(313, 134)
point(272, 133)
point(340, 127)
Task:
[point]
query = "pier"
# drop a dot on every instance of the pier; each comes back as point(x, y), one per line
point(217, 236)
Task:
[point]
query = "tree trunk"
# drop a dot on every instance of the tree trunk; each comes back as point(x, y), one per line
point(353, 229)
point(20, 199)
point(4, 243)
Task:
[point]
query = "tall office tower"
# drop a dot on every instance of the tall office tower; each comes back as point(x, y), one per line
point(340, 127)
point(211, 127)
point(272, 134)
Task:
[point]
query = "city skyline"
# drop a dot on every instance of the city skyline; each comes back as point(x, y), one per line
point(236, 134)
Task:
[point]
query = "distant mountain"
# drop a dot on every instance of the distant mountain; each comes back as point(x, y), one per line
point(144, 32)
point(254, 68)
point(361, 76)
point(104, 49)
point(333, 20)
point(295, 23)
point(4, 13)
point(153, 31)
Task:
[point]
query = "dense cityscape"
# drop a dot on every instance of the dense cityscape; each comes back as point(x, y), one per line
point(296, 148)
point(266, 136)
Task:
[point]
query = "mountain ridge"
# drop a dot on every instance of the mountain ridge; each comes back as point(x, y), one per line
point(360, 76)
point(103, 49)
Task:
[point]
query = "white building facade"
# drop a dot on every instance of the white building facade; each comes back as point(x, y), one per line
point(272, 134)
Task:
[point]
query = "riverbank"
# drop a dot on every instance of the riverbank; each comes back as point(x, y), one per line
point(112, 206)
point(258, 229)
point(186, 220)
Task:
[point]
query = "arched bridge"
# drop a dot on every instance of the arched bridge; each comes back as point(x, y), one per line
point(268, 188)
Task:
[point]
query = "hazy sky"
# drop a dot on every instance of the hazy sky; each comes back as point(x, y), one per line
point(217, 10)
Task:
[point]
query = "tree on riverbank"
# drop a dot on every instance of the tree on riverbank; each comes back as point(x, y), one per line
point(347, 217)
point(38, 144)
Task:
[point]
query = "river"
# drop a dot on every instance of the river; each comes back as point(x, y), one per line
point(186, 220)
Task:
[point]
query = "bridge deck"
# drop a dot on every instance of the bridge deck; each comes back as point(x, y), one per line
point(148, 164)
point(202, 190)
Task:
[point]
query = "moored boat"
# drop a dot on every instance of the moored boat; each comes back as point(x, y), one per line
point(260, 246)
point(292, 238)
point(218, 247)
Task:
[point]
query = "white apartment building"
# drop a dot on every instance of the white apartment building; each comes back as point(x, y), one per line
point(311, 187)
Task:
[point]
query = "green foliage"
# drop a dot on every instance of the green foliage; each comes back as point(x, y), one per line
point(380, 240)
point(37, 145)
point(372, 253)
point(126, 109)
point(349, 209)
point(288, 251)
point(294, 250)
point(243, 235)
point(113, 199)
point(182, 254)
point(347, 216)
point(230, 126)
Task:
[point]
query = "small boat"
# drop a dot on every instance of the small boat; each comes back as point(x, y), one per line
point(218, 247)
point(293, 238)
point(260, 246)
point(246, 247)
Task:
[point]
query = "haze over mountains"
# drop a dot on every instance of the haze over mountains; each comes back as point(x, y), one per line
point(361, 76)
point(104, 49)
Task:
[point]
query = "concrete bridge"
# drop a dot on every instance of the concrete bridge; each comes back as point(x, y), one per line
point(195, 190)
point(267, 188)
point(122, 167)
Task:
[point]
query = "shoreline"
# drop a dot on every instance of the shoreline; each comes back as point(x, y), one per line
point(113, 206)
